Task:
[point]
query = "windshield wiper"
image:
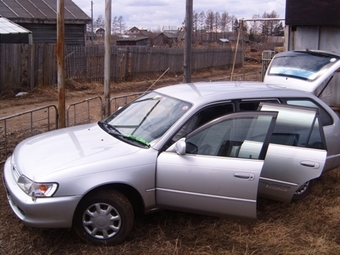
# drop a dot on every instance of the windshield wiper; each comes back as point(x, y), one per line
point(132, 138)
point(112, 130)
point(110, 127)
point(137, 139)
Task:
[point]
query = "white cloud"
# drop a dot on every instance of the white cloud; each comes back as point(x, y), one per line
point(154, 14)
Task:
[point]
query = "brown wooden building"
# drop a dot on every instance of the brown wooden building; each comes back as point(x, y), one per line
point(313, 25)
point(40, 17)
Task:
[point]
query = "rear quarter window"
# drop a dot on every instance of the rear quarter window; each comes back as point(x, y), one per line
point(325, 118)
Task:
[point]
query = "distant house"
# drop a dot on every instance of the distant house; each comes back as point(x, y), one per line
point(166, 39)
point(133, 41)
point(40, 17)
point(91, 36)
point(170, 29)
point(137, 31)
point(100, 33)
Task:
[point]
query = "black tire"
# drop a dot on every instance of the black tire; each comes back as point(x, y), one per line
point(104, 218)
point(303, 190)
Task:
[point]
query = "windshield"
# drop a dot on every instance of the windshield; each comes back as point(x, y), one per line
point(148, 117)
point(302, 65)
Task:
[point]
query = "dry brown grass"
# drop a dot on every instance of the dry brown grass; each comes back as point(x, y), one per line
point(310, 226)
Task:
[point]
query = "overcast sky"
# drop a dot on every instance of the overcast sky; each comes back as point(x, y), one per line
point(154, 14)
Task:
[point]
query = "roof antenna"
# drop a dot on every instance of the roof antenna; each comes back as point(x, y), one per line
point(156, 80)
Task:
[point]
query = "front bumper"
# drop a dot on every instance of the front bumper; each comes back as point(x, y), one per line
point(49, 212)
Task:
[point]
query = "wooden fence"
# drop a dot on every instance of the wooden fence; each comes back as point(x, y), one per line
point(24, 67)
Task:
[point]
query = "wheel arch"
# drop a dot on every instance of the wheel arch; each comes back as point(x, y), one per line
point(131, 194)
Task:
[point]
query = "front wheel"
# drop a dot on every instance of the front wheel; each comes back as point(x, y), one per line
point(104, 218)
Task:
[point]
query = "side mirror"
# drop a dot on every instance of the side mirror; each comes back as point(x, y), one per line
point(181, 147)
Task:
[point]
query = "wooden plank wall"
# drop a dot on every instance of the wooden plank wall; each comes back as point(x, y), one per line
point(24, 67)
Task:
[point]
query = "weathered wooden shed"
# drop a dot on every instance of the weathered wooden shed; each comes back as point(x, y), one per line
point(11, 32)
point(313, 25)
point(166, 39)
point(40, 17)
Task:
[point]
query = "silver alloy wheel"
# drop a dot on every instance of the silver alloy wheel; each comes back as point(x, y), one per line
point(101, 221)
point(302, 188)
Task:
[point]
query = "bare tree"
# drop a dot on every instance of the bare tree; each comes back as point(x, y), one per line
point(225, 21)
point(255, 29)
point(114, 26)
point(121, 24)
point(209, 22)
point(212, 23)
point(195, 24)
point(236, 25)
point(268, 26)
point(217, 23)
point(279, 30)
point(99, 22)
point(201, 20)
point(201, 23)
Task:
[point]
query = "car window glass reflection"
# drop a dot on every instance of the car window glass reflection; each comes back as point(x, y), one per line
point(202, 117)
point(296, 127)
point(239, 137)
point(325, 118)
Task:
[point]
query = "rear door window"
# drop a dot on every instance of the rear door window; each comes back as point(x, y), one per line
point(252, 105)
point(293, 127)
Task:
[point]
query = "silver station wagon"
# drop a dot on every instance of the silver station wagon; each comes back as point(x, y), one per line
point(209, 148)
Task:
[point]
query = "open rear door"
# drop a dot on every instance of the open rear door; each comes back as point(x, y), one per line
point(296, 152)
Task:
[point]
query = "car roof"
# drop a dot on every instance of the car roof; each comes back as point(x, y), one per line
point(205, 92)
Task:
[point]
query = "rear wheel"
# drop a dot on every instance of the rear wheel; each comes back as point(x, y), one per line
point(303, 190)
point(104, 218)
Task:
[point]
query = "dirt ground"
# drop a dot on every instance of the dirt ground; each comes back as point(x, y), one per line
point(309, 226)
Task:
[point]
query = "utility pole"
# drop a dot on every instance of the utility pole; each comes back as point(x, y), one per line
point(188, 41)
point(61, 64)
point(107, 58)
point(92, 22)
point(240, 31)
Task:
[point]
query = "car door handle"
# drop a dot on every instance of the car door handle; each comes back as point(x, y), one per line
point(246, 176)
point(310, 164)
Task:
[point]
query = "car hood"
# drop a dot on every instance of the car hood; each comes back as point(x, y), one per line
point(309, 71)
point(68, 148)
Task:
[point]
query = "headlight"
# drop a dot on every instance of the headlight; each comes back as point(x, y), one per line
point(35, 189)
